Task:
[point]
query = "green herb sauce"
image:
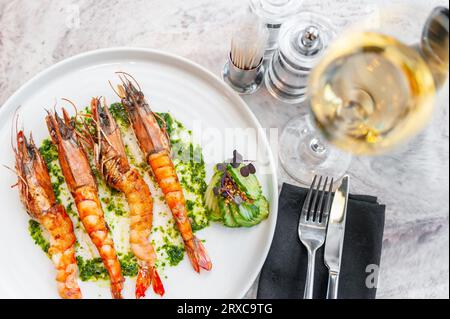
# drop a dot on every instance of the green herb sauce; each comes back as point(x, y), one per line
point(36, 233)
point(115, 206)
point(190, 167)
point(167, 118)
point(175, 254)
point(188, 161)
point(120, 114)
point(129, 264)
point(48, 151)
point(50, 156)
point(70, 211)
point(94, 269)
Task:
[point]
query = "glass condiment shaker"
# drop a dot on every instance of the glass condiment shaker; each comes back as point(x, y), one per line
point(274, 13)
point(302, 42)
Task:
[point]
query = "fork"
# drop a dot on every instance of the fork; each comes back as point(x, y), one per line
point(313, 225)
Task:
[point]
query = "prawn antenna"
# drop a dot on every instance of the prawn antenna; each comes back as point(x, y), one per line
point(73, 105)
point(129, 75)
point(112, 87)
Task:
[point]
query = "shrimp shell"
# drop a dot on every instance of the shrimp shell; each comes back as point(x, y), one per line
point(155, 145)
point(116, 171)
point(83, 187)
point(36, 193)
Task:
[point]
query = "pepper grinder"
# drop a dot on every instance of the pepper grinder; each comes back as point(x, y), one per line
point(302, 42)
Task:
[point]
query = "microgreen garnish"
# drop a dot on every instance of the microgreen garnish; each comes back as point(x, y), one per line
point(237, 161)
point(245, 171)
point(229, 190)
point(227, 187)
point(222, 167)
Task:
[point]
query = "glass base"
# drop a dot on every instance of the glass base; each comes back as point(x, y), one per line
point(303, 154)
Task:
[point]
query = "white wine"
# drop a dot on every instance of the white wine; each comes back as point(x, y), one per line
point(371, 92)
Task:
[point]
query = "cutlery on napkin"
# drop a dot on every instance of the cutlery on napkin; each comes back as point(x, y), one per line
point(284, 272)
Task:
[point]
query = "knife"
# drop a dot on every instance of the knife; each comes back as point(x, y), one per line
point(335, 237)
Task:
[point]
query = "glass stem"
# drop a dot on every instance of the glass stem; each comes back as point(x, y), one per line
point(317, 146)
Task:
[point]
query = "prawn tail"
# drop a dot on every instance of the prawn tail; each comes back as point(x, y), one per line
point(202, 256)
point(198, 256)
point(69, 293)
point(157, 284)
point(116, 290)
point(67, 282)
point(148, 276)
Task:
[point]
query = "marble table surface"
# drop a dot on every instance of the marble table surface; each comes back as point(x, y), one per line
point(413, 181)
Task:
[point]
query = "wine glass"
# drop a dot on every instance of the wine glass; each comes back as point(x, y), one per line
point(370, 92)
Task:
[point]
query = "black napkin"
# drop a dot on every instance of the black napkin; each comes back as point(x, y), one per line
point(284, 272)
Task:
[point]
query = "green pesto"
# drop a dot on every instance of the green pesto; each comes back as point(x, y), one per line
point(114, 192)
point(167, 118)
point(120, 114)
point(170, 232)
point(130, 156)
point(175, 254)
point(48, 151)
point(190, 205)
point(36, 233)
point(96, 173)
point(197, 224)
point(190, 167)
point(70, 211)
point(144, 166)
point(82, 123)
point(94, 269)
point(57, 180)
point(91, 269)
point(129, 264)
point(116, 207)
point(113, 202)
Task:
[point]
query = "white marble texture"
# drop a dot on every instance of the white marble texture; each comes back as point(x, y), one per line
point(413, 182)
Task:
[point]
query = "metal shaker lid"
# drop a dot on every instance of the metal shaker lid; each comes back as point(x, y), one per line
point(275, 11)
point(304, 38)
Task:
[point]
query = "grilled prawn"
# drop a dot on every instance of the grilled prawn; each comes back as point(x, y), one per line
point(155, 145)
point(83, 187)
point(37, 195)
point(114, 167)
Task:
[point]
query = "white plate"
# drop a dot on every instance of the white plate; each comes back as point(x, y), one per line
point(193, 95)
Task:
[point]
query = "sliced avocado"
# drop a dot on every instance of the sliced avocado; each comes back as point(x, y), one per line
point(253, 213)
point(243, 217)
point(249, 212)
point(228, 219)
point(211, 201)
point(249, 185)
point(263, 209)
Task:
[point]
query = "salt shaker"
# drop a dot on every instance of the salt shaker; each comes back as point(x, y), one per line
point(302, 42)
